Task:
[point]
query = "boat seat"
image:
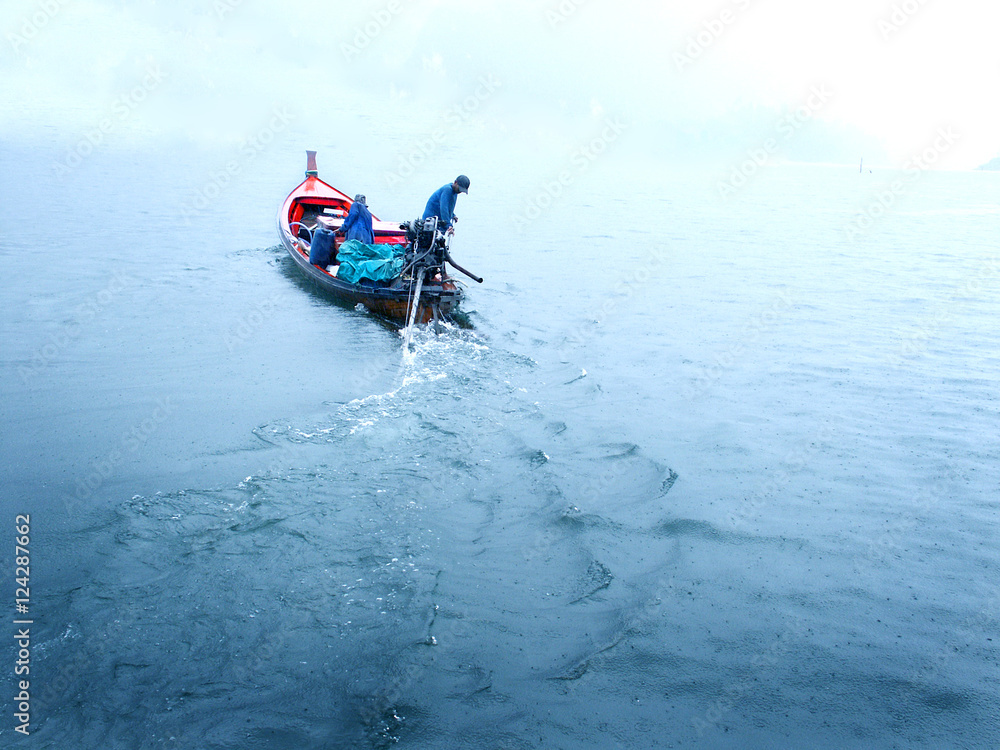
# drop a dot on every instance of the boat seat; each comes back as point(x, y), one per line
point(330, 222)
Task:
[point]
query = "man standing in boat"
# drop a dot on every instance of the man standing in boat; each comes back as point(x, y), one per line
point(442, 203)
point(358, 224)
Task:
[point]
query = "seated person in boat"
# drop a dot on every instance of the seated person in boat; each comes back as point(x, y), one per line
point(442, 203)
point(358, 224)
point(322, 250)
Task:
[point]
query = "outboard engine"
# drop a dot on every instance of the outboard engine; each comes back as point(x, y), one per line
point(426, 246)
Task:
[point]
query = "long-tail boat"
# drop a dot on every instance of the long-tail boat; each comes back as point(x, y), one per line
point(422, 291)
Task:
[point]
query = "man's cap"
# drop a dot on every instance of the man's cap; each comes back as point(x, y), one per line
point(463, 183)
point(359, 198)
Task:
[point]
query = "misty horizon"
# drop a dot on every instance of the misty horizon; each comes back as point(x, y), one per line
point(692, 84)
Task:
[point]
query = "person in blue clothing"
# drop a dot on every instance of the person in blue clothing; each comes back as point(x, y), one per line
point(442, 203)
point(358, 224)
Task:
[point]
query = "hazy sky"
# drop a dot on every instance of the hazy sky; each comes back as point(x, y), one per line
point(846, 77)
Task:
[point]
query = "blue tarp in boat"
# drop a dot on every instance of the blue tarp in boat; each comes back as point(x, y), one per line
point(373, 262)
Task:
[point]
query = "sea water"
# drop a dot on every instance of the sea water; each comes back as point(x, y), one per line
point(707, 468)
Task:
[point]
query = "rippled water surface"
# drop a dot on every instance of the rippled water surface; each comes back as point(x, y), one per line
point(703, 472)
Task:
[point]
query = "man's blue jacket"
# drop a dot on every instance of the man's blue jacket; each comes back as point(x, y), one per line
point(358, 224)
point(442, 205)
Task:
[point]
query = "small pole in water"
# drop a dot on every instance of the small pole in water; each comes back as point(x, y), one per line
point(413, 310)
point(861, 168)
